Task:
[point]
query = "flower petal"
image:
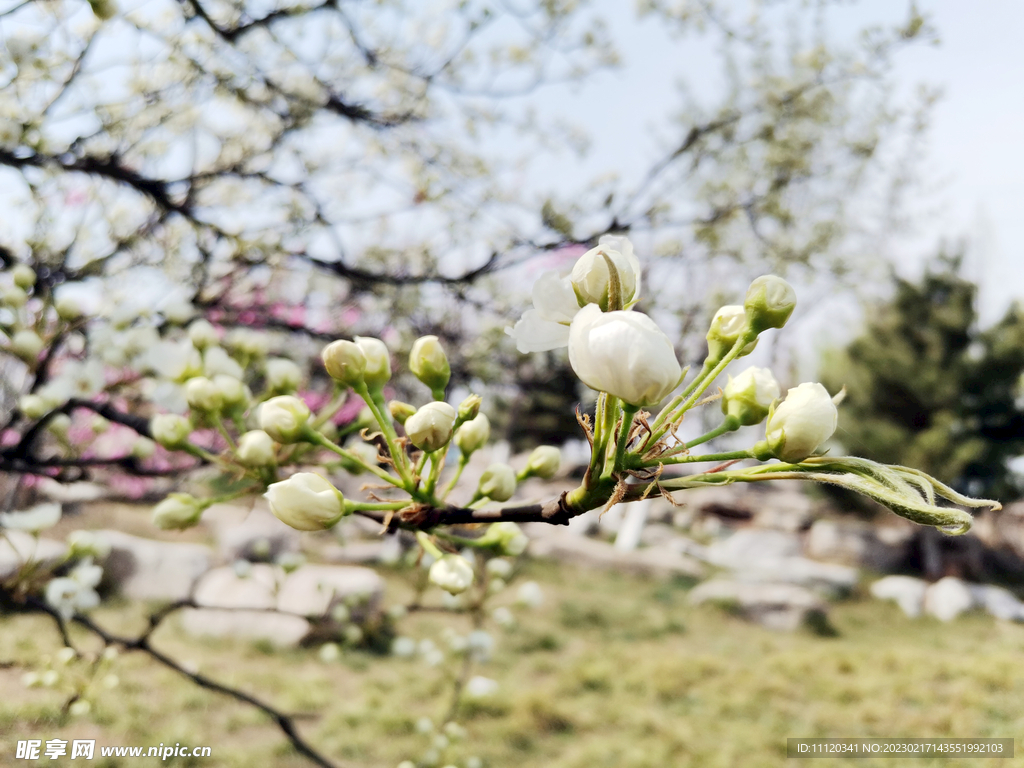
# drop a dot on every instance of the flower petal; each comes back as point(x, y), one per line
point(535, 334)
point(554, 298)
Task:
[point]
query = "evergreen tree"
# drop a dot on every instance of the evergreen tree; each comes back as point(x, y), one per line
point(927, 388)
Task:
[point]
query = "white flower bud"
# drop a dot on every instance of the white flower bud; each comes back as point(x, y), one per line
point(452, 573)
point(530, 594)
point(306, 501)
point(203, 395)
point(202, 335)
point(728, 324)
point(68, 309)
point(33, 406)
point(624, 354)
point(59, 425)
point(544, 462)
point(284, 418)
point(378, 362)
point(234, 393)
point(769, 303)
point(364, 451)
point(748, 397)
point(345, 362)
point(143, 448)
point(801, 423)
point(283, 375)
point(429, 364)
point(498, 482)
point(430, 428)
point(247, 341)
point(256, 449)
point(401, 411)
point(499, 568)
point(216, 361)
point(27, 345)
point(14, 297)
point(506, 538)
point(473, 435)
point(591, 279)
point(83, 543)
point(469, 408)
point(177, 512)
point(170, 430)
point(24, 276)
point(177, 312)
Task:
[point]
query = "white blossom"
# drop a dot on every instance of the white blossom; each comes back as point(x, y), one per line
point(546, 326)
point(623, 353)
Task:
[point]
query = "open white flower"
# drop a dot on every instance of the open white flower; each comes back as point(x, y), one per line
point(546, 326)
point(799, 426)
point(76, 592)
point(557, 300)
point(623, 353)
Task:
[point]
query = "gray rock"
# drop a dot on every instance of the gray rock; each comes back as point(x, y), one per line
point(18, 548)
point(751, 545)
point(250, 531)
point(948, 598)
point(578, 550)
point(775, 606)
point(383, 550)
point(907, 591)
point(783, 510)
point(145, 569)
point(313, 590)
point(827, 578)
point(851, 542)
point(634, 518)
point(224, 588)
point(281, 629)
point(999, 602)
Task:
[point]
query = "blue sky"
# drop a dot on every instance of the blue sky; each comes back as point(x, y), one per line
point(973, 165)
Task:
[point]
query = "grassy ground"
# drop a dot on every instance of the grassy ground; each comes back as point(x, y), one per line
point(611, 671)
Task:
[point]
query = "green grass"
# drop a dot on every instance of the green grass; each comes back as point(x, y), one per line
point(612, 670)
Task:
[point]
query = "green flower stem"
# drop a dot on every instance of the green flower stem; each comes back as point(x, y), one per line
point(687, 459)
point(605, 416)
point(628, 412)
point(218, 423)
point(383, 417)
point(205, 455)
point(428, 546)
point(706, 381)
point(374, 506)
point(436, 462)
point(463, 461)
point(461, 540)
point(209, 502)
point(336, 404)
point(731, 424)
point(678, 399)
point(318, 439)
